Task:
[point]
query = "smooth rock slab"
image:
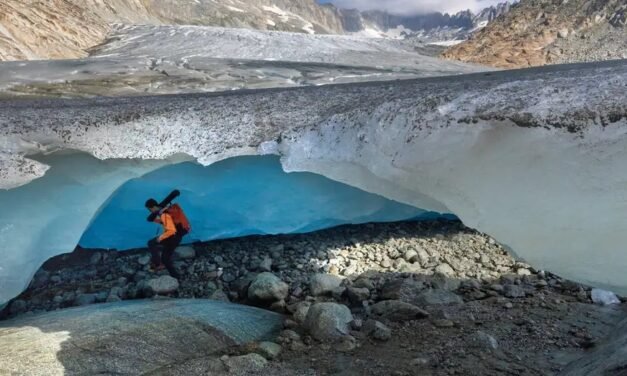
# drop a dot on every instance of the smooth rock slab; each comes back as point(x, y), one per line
point(130, 337)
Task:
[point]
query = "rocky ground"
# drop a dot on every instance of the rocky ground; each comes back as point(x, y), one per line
point(427, 298)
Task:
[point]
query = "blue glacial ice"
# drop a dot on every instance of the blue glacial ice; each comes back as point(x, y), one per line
point(235, 197)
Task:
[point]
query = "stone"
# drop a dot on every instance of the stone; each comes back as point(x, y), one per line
point(445, 269)
point(95, 258)
point(443, 323)
point(219, 295)
point(438, 297)
point(563, 33)
point(85, 299)
point(323, 284)
point(269, 350)
point(143, 260)
point(162, 285)
point(356, 295)
point(377, 330)
point(419, 361)
point(17, 306)
point(484, 340)
point(523, 272)
point(299, 312)
point(328, 321)
point(266, 265)
point(345, 344)
point(513, 291)
point(396, 310)
point(245, 364)
point(357, 324)
point(241, 285)
point(185, 252)
point(405, 290)
point(267, 287)
point(410, 255)
point(441, 281)
point(174, 328)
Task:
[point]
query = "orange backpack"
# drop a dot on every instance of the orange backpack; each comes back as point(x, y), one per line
point(180, 220)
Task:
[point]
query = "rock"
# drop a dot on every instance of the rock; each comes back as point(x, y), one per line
point(441, 281)
point(438, 297)
point(322, 284)
point(278, 306)
point(185, 252)
point(484, 340)
point(40, 279)
point(299, 311)
point(385, 263)
point(410, 255)
point(445, 269)
point(405, 290)
point(17, 306)
point(364, 283)
point(95, 258)
point(523, 272)
point(162, 285)
point(269, 350)
point(396, 310)
point(604, 297)
point(143, 260)
point(420, 361)
point(266, 265)
point(356, 295)
point(228, 277)
point(85, 299)
point(328, 321)
point(356, 324)
point(443, 323)
point(563, 33)
point(219, 295)
point(377, 330)
point(245, 364)
point(267, 287)
point(241, 285)
point(345, 344)
point(175, 329)
point(513, 291)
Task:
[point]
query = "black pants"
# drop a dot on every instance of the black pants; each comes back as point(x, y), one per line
point(163, 252)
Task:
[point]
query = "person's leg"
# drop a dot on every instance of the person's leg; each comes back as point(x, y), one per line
point(168, 253)
point(155, 249)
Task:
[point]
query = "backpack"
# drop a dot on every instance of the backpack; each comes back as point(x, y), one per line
point(180, 220)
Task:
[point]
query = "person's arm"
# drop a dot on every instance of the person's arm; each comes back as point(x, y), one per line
point(169, 229)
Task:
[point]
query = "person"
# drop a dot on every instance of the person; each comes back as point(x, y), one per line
point(175, 226)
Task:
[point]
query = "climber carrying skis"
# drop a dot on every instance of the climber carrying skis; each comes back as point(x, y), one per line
point(175, 227)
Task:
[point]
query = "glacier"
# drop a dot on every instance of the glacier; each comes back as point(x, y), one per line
point(535, 157)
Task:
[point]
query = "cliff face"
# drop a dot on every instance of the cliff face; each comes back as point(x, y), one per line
point(58, 29)
point(538, 32)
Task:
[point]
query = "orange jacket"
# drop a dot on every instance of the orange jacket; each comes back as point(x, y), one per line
point(169, 229)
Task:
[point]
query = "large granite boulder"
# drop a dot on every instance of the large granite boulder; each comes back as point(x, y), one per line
point(131, 337)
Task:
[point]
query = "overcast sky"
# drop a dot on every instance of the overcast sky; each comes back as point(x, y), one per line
point(407, 7)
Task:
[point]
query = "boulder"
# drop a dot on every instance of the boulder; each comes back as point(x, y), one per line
point(513, 291)
point(185, 252)
point(328, 321)
point(357, 294)
point(267, 287)
point(162, 285)
point(396, 310)
point(405, 290)
point(445, 269)
point(71, 341)
point(269, 350)
point(323, 284)
point(377, 330)
point(438, 297)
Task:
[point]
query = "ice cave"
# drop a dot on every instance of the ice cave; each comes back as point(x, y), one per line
point(85, 201)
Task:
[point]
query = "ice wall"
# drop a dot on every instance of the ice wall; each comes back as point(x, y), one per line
point(237, 197)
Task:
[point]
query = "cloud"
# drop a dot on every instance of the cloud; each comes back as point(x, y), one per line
point(410, 7)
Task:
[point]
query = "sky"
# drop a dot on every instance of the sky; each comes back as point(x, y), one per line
point(411, 7)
